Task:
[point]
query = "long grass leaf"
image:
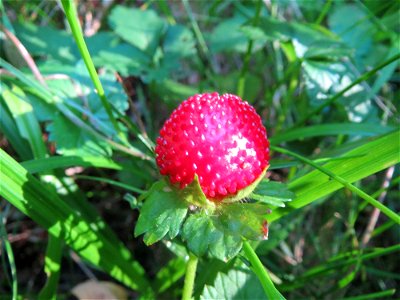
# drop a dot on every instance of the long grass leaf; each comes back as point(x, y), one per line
point(45, 207)
point(354, 129)
point(10, 256)
point(52, 268)
point(55, 162)
point(375, 156)
point(387, 211)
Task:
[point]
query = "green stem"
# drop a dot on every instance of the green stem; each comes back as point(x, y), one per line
point(324, 11)
point(258, 268)
point(70, 12)
point(242, 76)
point(10, 256)
point(189, 277)
point(360, 79)
point(387, 211)
point(52, 268)
point(112, 182)
point(197, 31)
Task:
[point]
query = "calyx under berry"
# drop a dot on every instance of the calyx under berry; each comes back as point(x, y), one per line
point(219, 138)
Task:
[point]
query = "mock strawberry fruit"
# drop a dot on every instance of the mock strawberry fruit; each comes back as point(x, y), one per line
point(220, 138)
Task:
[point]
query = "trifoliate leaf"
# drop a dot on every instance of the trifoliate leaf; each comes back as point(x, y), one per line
point(246, 220)
point(200, 233)
point(143, 30)
point(162, 213)
point(179, 42)
point(203, 236)
point(237, 284)
point(72, 140)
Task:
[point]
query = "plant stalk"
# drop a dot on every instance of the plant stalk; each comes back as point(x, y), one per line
point(258, 269)
point(189, 277)
point(387, 211)
point(70, 12)
point(242, 76)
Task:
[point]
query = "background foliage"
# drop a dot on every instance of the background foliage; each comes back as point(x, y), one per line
point(324, 76)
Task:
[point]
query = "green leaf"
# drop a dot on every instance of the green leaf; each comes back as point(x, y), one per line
point(353, 129)
point(200, 233)
point(46, 40)
point(328, 50)
point(10, 130)
point(86, 238)
point(274, 29)
point(82, 86)
point(71, 140)
point(52, 268)
point(179, 42)
point(172, 92)
point(227, 83)
point(227, 36)
point(272, 192)
point(123, 58)
point(162, 213)
point(274, 189)
point(25, 119)
point(352, 24)
point(170, 274)
point(246, 220)
point(309, 41)
point(203, 237)
point(143, 30)
point(55, 162)
point(237, 284)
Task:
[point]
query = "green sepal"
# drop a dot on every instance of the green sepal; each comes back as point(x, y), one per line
point(162, 213)
point(243, 193)
point(193, 194)
point(272, 193)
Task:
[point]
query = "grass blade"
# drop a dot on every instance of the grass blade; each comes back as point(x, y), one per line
point(25, 119)
point(52, 267)
point(112, 182)
point(10, 130)
point(10, 256)
point(55, 162)
point(70, 12)
point(360, 129)
point(258, 268)
point(377, 295)
point(388, 212)
point(63, 221)
point(375, 156)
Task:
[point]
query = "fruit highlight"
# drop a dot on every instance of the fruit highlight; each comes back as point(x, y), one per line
point(220, 138)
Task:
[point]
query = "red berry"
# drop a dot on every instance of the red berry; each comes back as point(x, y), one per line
point(219, 138)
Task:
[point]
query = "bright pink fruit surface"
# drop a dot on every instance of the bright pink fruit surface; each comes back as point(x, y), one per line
point(218, 137)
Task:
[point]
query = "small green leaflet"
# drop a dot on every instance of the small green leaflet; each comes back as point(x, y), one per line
point(272, 193)
point(162, 213)
point(237, 284)
point(202, 235)
point(220, 234)
point(246, 220)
